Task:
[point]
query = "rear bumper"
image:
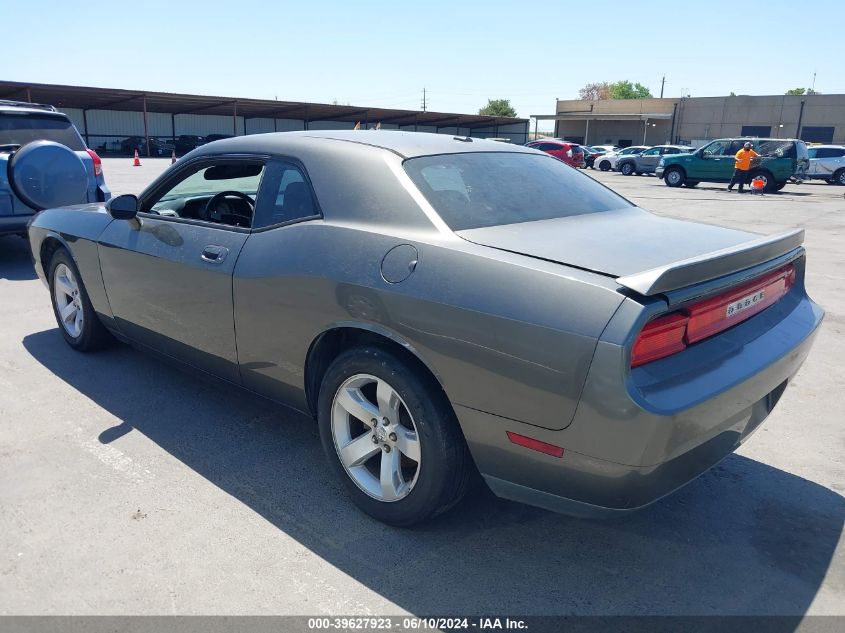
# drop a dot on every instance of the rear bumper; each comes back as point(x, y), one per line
point(659, 172)
point(629, 446)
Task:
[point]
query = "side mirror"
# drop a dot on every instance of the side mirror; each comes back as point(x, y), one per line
point(123, 207)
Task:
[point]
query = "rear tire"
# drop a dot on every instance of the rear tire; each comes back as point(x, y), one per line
point(766, 176)
point(674, 177)
point(626, 169)
point(77, 320)
point(428, 467)
point(839, 177)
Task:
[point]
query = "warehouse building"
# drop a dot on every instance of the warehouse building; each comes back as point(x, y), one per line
point(107, 118)
point(813, 118)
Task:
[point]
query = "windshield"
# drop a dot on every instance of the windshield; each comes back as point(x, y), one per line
point(480, 189)
point(22, 128)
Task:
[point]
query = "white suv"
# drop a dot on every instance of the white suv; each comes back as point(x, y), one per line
point(608, 161)
point(827, 162)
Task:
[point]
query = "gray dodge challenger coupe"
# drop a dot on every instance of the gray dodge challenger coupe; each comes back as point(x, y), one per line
point(445, 306)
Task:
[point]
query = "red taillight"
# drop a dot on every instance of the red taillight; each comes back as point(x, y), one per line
point(98, 163)
point(672, 333)
point(662, 337)
point(714, 315)
point(535, 445)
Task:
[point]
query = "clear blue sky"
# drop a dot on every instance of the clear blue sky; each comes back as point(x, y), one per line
point(384, 53)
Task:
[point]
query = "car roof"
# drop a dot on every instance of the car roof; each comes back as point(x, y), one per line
point(405, 144)
point(827, 147)
point(29, 108)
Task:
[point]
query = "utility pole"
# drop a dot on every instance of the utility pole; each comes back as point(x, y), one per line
point(813, 89)
point(424, 102)
point(662, 83)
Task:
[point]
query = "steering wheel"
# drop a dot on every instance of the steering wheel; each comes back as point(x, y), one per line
point(211, 205)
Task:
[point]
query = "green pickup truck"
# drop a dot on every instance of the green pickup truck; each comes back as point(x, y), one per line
point(780, 160)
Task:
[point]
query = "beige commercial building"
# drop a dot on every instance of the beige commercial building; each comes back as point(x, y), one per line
point(814, 118)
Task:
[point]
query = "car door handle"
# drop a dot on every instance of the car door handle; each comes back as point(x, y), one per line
point(214, 254)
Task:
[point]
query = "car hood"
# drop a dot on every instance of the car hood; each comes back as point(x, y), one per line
point(616, 243)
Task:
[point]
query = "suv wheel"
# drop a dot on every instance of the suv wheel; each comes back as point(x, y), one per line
point(839, 177)
point(604, 165)
point(391, 437)
point(627, 169)
point(674, 177)
point(768, 180)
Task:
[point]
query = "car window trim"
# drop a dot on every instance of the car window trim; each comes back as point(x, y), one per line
point(177, 176)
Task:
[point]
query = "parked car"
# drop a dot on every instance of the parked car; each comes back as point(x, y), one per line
point(606, 148)
point(781, 159)
point(571, 362)
point(188, 142)
point(158, 147)
point(646, 161)
point(569, 153)
point(827, 162)
point(609, 160)
point(43, 163)
point(590, 155)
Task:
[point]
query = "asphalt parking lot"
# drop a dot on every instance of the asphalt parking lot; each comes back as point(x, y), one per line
point(127, 486)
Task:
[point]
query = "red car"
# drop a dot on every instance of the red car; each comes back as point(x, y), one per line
point(569, 153)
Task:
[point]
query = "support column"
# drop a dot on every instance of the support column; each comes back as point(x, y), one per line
point(587, 133)
point(146, 129)
point(645, 131)
point(235, 119)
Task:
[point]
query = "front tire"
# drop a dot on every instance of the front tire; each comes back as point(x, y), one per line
point(626, 169)
point(839, 177)
point(604, 165)
point(391, 437)
point(674, 177)
point(77, 320)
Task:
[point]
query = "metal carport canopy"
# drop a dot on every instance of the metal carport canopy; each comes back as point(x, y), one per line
point(91, 98)
point(602, 116)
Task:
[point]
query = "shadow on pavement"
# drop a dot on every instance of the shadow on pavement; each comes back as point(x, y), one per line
point(745, 538)
point(15, 262)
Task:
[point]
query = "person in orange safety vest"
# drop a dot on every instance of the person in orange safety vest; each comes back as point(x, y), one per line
point(742, 166)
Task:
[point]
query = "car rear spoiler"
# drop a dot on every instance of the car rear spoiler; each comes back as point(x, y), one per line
point(687, 272)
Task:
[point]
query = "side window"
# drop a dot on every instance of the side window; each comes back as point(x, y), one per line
point(221, 192)
point(671, 150)
point(827, 152)
point(716, 148)
point(285, 196)
point(654, 151)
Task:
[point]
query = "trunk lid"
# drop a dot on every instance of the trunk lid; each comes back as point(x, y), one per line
point(644, 252)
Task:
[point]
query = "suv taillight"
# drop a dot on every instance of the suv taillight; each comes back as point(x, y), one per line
point(672, 333)
point(98, 162)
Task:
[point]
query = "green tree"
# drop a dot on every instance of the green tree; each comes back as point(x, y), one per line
point(624, 89)
point(796, 91)
point(498, 107)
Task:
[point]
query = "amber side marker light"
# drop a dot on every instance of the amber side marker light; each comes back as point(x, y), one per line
point(672, 333)
point(535, 445)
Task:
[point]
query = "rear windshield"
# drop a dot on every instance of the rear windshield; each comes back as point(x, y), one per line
point(479, 189)
point(20, 129)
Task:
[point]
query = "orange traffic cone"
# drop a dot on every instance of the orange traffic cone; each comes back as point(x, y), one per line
point(173, 157)
point(137, 161)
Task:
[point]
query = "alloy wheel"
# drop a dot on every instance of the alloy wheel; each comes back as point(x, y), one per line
point(375, 437)
point(68, 300)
